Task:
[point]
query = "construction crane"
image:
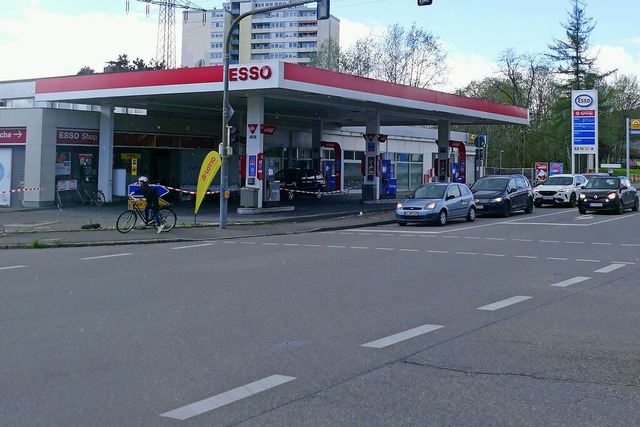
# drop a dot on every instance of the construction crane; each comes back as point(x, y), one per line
point(166, 39)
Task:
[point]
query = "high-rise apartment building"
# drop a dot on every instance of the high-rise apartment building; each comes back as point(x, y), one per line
point(292, 35)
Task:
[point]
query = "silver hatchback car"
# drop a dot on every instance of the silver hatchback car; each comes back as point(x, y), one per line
point(437, 203)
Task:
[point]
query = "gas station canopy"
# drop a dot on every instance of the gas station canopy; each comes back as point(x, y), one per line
point(295, 95)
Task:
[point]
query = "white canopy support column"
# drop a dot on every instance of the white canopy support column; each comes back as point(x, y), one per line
point(105, 154)
point(371, 184)
point(255, 146)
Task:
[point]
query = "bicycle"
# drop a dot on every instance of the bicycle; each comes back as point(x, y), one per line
point(127, 219)
point(95, 197)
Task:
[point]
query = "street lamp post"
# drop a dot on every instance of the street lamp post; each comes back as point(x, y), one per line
point(224, 145)
point(501, 151)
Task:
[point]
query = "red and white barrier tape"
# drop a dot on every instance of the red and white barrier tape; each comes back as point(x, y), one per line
point(189, 192)
point(19, 190)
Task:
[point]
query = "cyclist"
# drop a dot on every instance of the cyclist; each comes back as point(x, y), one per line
point(152, 197)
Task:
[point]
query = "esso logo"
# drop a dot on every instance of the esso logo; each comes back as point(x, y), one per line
point(250, 73)
point(584, 100)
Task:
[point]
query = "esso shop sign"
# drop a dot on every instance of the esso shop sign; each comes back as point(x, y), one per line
point(583, 100)
point(250, 73)
point(70, 136)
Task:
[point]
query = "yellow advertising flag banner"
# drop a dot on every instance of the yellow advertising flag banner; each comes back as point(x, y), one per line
point(208, 170)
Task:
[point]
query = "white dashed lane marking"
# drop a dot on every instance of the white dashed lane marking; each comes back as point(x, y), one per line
point(504, 303)
point(402, 336)
point(105, 256)
point(225, 398)
point(609, 268)
point(570, 282)
point(12, 267)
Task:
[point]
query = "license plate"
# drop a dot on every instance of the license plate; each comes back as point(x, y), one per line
point(411, 213)
point(479, 207)
point(547, 197)
point(596, 205)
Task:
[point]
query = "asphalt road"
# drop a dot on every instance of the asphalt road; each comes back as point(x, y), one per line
point(529, 320)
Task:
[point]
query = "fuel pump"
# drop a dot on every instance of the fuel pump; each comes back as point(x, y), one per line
point(271, 189)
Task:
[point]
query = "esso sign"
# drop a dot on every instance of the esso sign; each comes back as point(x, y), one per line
point(584, 100)
point(250, 73)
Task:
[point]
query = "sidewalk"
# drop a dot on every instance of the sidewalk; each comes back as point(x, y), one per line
point(51, 227)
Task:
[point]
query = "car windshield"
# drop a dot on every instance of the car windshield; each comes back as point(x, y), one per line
point(602, 183)
point(429, 192)
point(559, 180)
point(490, 184)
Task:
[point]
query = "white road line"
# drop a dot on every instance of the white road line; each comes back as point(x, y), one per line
point(548, 241)
point(193, 246)
point(473, 237)
point(575, 243)
point(587, 260)
point(450, 237)
point(609, 268)
point(522, 240)
point(623, 262)
point(249, 243)
point(312, 246)
point(336, 246)
point(556, 259)
point(225, 398)
point(600, 243)
point(105, 256)
point(270, 244)
point(384, 249)
point(495, 238)
point(494, 254)
point(630, 244)
point(570, 282)
point(291, 244)
point(401, 336)
point(526, 256)
point(409, 250)
point(12, 267)
point(437, 252)
point(504, 303)
point(466, 253)
point(358, 247)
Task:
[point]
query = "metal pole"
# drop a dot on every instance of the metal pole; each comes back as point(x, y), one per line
point(224, 146)
point(628, 176)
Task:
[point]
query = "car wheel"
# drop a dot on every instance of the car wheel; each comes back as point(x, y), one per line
point(537, 204)
point(529, 208)
point(573, 200)
point(471, 216)
point(582, 211)
point(402, 223)
point(506, 210)
point(636, 205)
point(620, 208)
point(442, 218)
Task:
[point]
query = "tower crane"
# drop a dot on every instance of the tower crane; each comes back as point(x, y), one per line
point(166, 38)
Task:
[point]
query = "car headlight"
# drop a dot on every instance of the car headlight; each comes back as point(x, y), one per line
point(399, 205)
point(564, 190)
point(496, 200)
point(612, 196)
point(430, 206)
point(535, 190)
point(582, 196)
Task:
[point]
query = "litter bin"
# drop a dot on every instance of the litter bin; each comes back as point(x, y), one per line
point(249, 197)
point(368, 192)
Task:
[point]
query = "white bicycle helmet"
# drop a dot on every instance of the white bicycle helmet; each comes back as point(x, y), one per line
point(143, 179)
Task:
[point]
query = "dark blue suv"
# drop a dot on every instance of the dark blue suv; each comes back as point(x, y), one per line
point(502, 194)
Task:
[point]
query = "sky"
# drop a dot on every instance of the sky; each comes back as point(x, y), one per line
point(43, 38)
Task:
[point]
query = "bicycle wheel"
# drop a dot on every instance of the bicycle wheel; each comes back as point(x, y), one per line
point(1, 230)
point(98, 198)
point(168, 218)
point(126, 221)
